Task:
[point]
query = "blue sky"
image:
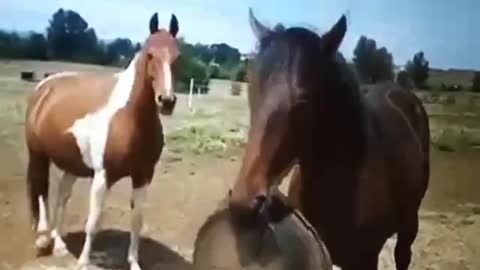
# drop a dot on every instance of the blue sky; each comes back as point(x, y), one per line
point(448, 31)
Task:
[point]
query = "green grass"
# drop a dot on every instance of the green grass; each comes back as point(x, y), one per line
point(205, 139)
point(457, 139)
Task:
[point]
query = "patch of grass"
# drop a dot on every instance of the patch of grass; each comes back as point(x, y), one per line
point(456, 139)
point(205, 139)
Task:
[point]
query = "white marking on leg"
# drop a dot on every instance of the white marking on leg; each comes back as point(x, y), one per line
point(60, 202)
point(98, 192)
point(54, 76)
point(42, 240)
point(168, 78)
point(42, 221)
point(138, 198)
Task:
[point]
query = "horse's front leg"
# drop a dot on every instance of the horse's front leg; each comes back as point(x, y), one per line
point(98, 192)
point(139, 194)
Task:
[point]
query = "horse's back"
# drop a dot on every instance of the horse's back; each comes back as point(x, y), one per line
point(402, 133)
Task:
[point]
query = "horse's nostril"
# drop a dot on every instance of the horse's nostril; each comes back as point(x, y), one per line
point(159, 98)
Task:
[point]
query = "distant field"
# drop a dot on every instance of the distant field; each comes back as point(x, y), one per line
point(450, 77)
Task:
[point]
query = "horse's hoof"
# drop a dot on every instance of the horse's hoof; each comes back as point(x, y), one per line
point(60, 250)
point(43, 241)
point(83, 264)
point(135, 266)
point(43, 245)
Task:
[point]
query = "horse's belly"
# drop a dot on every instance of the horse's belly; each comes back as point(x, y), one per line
point(65, 154)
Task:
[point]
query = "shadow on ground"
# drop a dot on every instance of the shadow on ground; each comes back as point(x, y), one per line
point(110, 249)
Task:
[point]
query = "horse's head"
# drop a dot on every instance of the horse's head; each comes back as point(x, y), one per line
point(161, 52)
point(289, 77)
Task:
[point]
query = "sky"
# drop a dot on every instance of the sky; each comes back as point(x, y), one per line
point(448, 31)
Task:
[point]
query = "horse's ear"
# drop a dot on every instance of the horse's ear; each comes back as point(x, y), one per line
point(154, 23)
point(259, 30)
point(334, 37)
point(173, 26)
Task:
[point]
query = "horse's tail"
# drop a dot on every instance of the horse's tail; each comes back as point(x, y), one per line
point(37, 189)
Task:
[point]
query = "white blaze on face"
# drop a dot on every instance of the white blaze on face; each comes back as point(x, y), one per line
point(168, 78)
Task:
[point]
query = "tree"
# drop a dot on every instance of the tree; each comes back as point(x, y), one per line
point(403, 79)
point(241, 73)
point(346, 70)
point(418, 69)
point(69, 37)
point(382, 65)
point(372, 64)
point(120, 51)
point(11, 45)
point(476, 82)
point(225, 55)
point(190, 66)
point(36, 47)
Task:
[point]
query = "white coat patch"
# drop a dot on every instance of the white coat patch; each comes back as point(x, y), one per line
point(91, 131)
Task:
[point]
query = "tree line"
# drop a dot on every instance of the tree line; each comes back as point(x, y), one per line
point(69, 37)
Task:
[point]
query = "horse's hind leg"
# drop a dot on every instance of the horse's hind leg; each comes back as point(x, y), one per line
point(60, 201)
point(405, 238)
point(37, 185)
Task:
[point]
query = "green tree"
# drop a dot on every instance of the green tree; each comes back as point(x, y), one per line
point(190, 66)
point(347, 70)
point(241, 73)
point(36, 47)
point(418, 69)
point(69, 37)
point(476, 82)
point(403, 79)
point(223, 54)
point(11, 45)
point(372, 64)
point(120, 51)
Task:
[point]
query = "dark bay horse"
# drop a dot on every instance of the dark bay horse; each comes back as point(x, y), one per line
point(363, 158)
point(101, 126)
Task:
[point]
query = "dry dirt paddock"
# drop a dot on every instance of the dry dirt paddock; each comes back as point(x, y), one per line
point(201, 161)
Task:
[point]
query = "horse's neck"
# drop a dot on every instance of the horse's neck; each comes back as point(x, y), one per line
point(335, 144)
point(142, 98)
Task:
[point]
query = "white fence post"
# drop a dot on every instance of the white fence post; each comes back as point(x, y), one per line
point(190, 94)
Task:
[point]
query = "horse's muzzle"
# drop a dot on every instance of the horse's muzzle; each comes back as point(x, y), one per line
point(167, 104)
point(249, 213)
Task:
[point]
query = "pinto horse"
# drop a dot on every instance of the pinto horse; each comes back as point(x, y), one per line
point(101, 126)
point(363, 157)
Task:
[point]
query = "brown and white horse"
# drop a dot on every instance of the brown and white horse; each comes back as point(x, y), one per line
point(101, 126)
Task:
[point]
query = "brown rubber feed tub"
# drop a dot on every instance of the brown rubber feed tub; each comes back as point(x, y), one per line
point(290, 244)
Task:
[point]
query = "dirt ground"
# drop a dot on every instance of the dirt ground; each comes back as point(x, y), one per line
point(197, 168)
